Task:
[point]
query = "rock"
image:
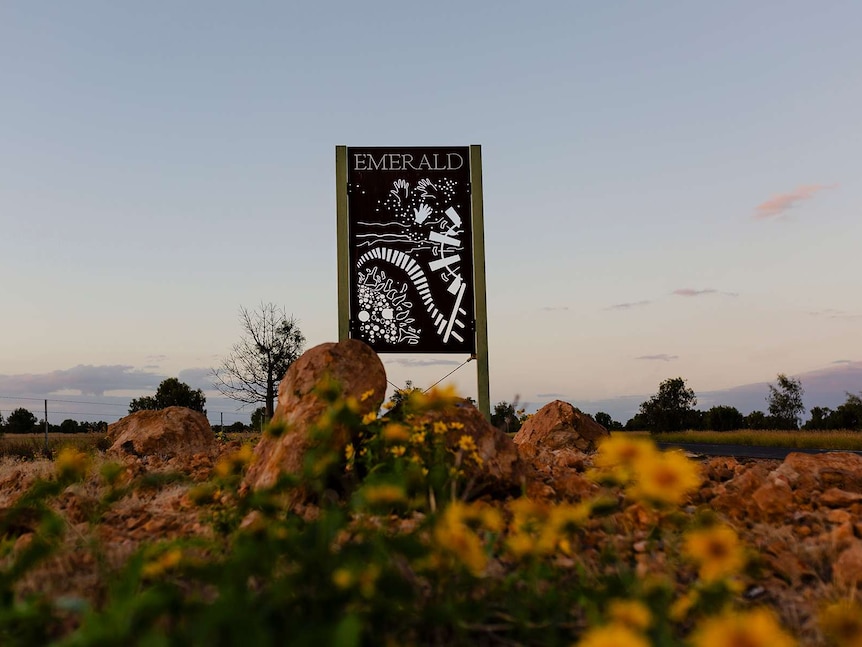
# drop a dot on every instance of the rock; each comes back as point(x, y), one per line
point(847, 569)
point(174, 431)
point(823, 471)
point(837, 498)
point(502, 471)
point(559, 425)
point(774, 498)
point(357, 371)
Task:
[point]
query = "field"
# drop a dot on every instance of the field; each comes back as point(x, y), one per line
point(390, 541)
point(839, 439)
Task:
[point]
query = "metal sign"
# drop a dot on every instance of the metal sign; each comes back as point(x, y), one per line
point(410, 249)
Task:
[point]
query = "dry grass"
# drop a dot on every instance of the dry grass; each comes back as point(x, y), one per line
point(839, 439)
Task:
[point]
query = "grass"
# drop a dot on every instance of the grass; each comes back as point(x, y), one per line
point(838, 439)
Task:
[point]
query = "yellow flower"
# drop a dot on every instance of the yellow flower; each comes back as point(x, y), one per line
point(72, 464)
point(631, 613)
point(366, 395)
point(530, 532)
point(417, 437)
point(235, 462)
point(440, 397)
point(757, 628)
point(453, 534)
point(682, 605)
point(841, 622)
point(716, 550)
point(398, 451)
point(666, 477)
point(613, 635)
point(440, 428)
point(395, 432)
point(384, 494)
point(349, 452)
point(467, 445)
point(168, 560)
point(342, 578)
point(369, 417)
point(623, 452)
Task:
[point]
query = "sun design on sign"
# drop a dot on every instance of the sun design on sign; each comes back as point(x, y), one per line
point(384, 311)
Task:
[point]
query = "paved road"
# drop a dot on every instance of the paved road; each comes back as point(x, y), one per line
point(744, 451)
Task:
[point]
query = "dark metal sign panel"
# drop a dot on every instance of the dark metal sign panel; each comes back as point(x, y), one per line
point(410, 242)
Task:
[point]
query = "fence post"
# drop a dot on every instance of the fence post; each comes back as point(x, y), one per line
point(46, 428)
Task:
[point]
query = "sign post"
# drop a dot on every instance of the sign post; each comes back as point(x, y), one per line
point(411, 263)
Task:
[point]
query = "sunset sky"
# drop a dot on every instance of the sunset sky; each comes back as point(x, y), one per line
point(671, 188)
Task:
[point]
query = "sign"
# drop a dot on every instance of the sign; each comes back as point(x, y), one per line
point(410, 249)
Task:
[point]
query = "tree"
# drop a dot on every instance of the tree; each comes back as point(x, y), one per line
point(272, 341)
point(506, 418)
point(171, 393)
point(847, 416)
point(21, 421)
point(605, 420)
point(258, 419)
point(785, 402)
point(671, 409)
point(724, 418)
point(69, 426)
point(758, 420)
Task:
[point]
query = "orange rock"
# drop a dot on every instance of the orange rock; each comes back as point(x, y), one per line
point(774, 498)
point(173, 431)
point(847, 569)
point(837, 498)
point(559, 425)
point(358, 372)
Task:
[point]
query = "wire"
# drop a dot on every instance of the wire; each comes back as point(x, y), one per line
point(467, 361)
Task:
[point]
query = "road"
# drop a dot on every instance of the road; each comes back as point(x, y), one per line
point(745, 451)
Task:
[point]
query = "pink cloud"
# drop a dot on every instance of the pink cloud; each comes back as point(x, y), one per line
point(690, 292)
point(779, 204)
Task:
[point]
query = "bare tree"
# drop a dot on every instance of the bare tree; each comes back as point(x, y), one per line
point(271, 342)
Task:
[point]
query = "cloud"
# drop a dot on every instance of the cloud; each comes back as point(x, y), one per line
point(550, 395)
point(156, 359)
point(626, 306)
point(554, 308)
point(843, 361)
point(413, 361)
point(198, 378)
point(690, 292)
point(830, 313)
point(661, 357)
point(778, 205)
point(89, 380)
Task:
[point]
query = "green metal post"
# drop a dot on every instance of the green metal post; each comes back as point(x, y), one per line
point(482, 373)
point(342, 251)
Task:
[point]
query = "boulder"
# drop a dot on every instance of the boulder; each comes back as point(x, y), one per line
point(847, 570)
point(841, 470)
point(357, 372)
point(170, 432)
point(559, 425)
point(502, 472)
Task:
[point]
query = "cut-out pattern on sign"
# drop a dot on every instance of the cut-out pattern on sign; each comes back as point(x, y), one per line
point(412, 262)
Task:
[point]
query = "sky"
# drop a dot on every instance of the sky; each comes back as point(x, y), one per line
point(670, 188)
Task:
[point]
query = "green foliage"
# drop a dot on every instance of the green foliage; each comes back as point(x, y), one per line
point(258, 419)
point(507, 417)
point(671, 409)
point(171, 393)
point(395, 548)
point(606, 421)
point(848, 415)
point(21, 421)
point(723, 418)
point(785, 402)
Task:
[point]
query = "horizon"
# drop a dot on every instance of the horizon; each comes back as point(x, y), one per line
point(824, 388)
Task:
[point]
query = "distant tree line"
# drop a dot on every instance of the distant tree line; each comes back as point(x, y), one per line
point(24, 421)
point(672, 409)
